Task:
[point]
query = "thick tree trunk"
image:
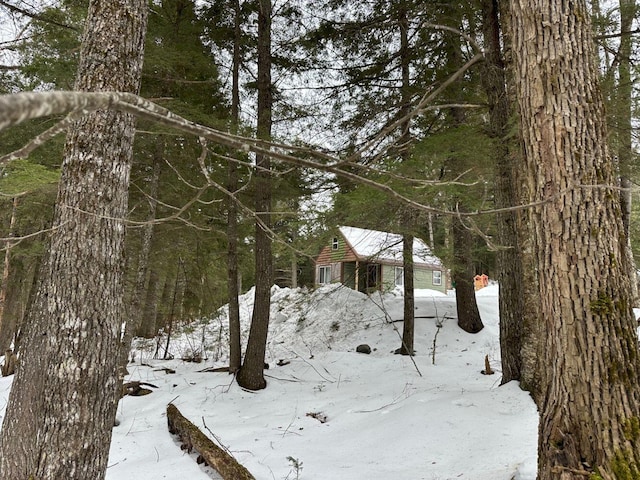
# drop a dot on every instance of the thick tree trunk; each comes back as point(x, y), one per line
point(28, 300)
point(532, 369)
point(509, 258)
point(462, 239)
point(251, 374)
point(61, 411)
point(589, 417)
point(14, 304)
point(468, 315)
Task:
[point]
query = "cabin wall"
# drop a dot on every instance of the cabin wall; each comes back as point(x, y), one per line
point(338, 263)
point(424, 279)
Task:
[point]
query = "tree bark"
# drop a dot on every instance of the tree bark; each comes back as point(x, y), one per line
point(468, 315)
point(147, 328)
point(462, 240)
point(29, 296)
point(509, 257)
point(532, 369)
point(15, 303)
point(408, 325)
point(235, 350)
point(134, 319)
point(589, 419)
point(624, 127)
point(61, 411)
point(174, 309)
point(4, 285)
point(409, 297)
point(192, 438)
point(251, 374)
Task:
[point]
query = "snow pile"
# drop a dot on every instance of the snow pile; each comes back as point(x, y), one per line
point(301, 321)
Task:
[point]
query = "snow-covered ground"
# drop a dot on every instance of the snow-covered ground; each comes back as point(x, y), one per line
point(383, 416)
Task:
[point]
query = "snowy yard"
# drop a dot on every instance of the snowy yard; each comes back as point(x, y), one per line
point(340, 414)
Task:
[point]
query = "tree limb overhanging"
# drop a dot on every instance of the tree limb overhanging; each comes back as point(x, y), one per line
point(20, 107)
point(34, 16)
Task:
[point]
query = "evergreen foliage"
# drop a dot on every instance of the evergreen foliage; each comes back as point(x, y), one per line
point(181, 74)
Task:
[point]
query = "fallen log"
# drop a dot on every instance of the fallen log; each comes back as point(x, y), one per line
point(215, 369)
point(211, 454)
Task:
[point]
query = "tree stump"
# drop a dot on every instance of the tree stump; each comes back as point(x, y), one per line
point(212, 455)
point(487, 367)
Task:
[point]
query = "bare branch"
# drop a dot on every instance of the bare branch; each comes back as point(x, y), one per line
point(233, 196)
point(35, 16)
point(13, 241)
point(460, 33)
point(41, 139)
point(19, 107)
point(422, 106)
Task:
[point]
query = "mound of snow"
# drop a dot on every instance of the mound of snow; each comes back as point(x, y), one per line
point(435, 410)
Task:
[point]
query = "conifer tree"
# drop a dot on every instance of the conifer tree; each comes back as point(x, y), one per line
point(181, 72)
point(509, 255)
point(251, 374)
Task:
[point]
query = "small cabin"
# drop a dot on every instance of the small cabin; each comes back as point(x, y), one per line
point(369, 260)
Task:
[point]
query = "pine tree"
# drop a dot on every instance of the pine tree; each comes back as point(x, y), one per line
point(509, 255)
point(251, 374)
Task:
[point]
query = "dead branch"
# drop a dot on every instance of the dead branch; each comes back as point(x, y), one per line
point(215, 369)
point(35, 16)
point(20, 107)
point(211, 454)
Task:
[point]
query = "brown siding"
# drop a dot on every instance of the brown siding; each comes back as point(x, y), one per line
point(325, 256)
point(344, 253)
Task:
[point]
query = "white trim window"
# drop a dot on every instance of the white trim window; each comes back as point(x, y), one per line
point(436, 278)
point(335, 243)
point(399, 276)
point(324, 274)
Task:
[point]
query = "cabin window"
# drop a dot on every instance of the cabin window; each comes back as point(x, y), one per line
point(399, 276)
point(437, 277)
point(334, 243)
point(324, 275)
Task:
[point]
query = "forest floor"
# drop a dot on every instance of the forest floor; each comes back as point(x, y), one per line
point(329, 413)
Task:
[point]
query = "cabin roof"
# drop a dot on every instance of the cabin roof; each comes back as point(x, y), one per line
point(385, 246)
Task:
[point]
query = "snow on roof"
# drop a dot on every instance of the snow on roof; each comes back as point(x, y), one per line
point(372, 244)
